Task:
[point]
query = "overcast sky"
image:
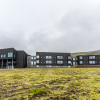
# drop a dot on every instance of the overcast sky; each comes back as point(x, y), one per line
point(50, 25)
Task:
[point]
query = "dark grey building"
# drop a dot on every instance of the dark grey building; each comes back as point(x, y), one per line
point(53, 59)
point(11, 58)
point(88, 60)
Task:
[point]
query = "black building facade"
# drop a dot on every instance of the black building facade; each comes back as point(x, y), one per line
point(88, 60)
point(53, 59)
point(11, 58)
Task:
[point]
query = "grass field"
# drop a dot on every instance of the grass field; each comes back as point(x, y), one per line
point(50, 84)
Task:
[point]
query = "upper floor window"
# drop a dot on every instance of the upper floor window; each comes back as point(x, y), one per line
point(80, 57)
point(31, 57)
point(14, 55)
point(59, 57)
point(48, 57)
point(37, 56)
point(4, 55)
point(34, 58)
point(91, 57)
point(1, 56)
point(10, 54)
point(69, 57)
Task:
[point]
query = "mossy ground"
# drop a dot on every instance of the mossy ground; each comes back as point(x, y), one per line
point(50, 84)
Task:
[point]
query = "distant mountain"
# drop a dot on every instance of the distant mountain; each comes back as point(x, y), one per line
point(97, 52)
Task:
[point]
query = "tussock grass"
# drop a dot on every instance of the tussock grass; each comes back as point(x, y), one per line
point(50, 84)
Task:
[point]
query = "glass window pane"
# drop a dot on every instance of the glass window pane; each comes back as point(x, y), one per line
point(81, 57)
point(4, 55)
point(1, 56)
point(59, 62)
point(10, 54)
point(93, 57)
point(37, 56)
point(37, 61)
point(31, 57)
point(34, 58)
point(90, 57)
point(31, 62)
point(69, 62)
point(48, 62)
point(69, 57)
point(59, 57)
point(81, 62)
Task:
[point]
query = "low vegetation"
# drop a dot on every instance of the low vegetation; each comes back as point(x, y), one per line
point(50, 84)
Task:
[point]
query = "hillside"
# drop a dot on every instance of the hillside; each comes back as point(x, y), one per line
point(97, 52)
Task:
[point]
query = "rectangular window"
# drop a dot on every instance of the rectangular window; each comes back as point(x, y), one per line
point(34, 58)
point(37, 61)
point(31, 57)
point(48, 57)
point(74, 58)
point(1, 56)
point(10, 54)
point(59, 62)
point(80, 57)
point(48, 62)
point(59, 57)
point(69, 57)
point(81, 62)
point(34, 62)
point(73, 63)
point(91, 57)
point(14, 55)
point(91, 62)
point(69, 62)
point(31, 62)
point(4, 55)
point(37, 56)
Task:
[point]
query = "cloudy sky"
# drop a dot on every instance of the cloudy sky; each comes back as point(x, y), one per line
point(50, 25)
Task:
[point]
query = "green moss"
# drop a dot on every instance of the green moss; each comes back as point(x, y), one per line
point(39, 91)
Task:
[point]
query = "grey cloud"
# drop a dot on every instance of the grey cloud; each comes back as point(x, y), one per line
point(54, 26)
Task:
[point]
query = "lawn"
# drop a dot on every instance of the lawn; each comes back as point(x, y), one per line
point(50, 84)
